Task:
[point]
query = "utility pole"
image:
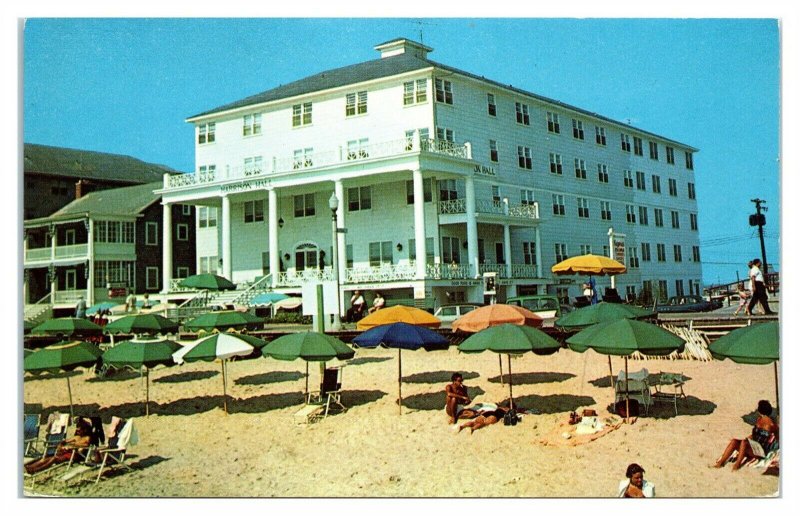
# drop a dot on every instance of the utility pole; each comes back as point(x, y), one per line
point(759, 220)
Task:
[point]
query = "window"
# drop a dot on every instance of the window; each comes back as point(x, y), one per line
point(206, 217)
point(645, 252)
point(633, 258)
point(640, 183)
point(561, 252)
point(115, 232)
point(580, 168)
point(113, 272)
point(524, 157)
point(630, 213)
point(553, 124)
point(415, 92)
point(662, 289)
point(348, 252)
point(691, 190)
point(181, 272)
point(558, 204)
point(206, 172)
point(442, 133)
point(637, 146)
point(600, 135)
point(689, 162)
point(151, 233)
point(529, 253)
point(695, 253)
point(451, 250)
point(206, 133)
point(412, 250)
point(673, 187)
point(254, 211)
point(182, 231)
point(676, 222)
point(427, 190)
point(355, 103)
point(602, 173)
point(676, 250)
point(627, 176)
point(577, 129)
point(605, 250)
point(656, 182)
point(678, 287)
point(526, 197)
point(643, 215)
point(555, 163)
point(653, 150)
point(358, 149)
point(447, 190)
point(301, 114)
point(605, 210)
point(661, 253)
point(251, 124)
point(208, 264)
point(625, 141)
point(523, 117)
point(496, 197)
point(586, 249)
point(583, 209)
point(493, 156)
point(304, 205)
point(693, 221)
point(423, 138)
point(491, 105)
point(670, 155)
point(253, 165)
point(151, 278)
point(303, 158)
point(359, 198)
point(658, 213)
point(380, 253)
point(186, 209)
point(444, 91)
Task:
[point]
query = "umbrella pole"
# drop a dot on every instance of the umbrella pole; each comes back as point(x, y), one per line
point(306, 382)
point(224, 390)
point(510, 389)
point(610, 373)
point(627, 394)
point(69, 390)
point(777, 400)
point(400, 380)
point(147, 393)
point(500, 360)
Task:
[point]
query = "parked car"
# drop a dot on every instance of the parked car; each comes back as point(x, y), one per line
point(449, 313)
point(545, 306)
point(689, 303)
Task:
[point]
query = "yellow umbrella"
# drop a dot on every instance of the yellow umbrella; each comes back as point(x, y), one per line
point(399, 313)
point(589, 264)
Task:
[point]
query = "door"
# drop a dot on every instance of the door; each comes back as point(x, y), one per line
point(70, 279)
point(500, 252)
point(69, 237)
point(306, 257)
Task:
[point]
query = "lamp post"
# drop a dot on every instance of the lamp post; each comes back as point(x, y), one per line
point(333, 203)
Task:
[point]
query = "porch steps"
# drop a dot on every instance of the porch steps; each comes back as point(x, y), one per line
point(38, 313)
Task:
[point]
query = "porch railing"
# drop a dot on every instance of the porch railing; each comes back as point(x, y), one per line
point(296, 278)
point(458, 206)
point(393, 272)
point(448, 271)
point(68, 296)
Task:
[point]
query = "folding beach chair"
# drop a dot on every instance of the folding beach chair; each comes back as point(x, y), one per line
point(637, 388)
point(329, 395)
point(30, 424)
point(57, 425)
point(108, 457)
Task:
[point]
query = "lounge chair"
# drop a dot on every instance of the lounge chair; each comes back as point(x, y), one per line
point(30, 424)
point(57, 425)
point(637, 389)
point(108, 457)
point(329, 395)
point(663, 393)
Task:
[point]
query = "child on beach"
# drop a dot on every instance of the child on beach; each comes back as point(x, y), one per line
point(744, 297)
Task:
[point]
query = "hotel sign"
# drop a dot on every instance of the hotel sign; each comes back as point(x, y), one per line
point(253, 184)
point(484, 170)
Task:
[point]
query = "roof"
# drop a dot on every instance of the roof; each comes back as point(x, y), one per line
point(83, 164)
point(128, 200)
point(387, 67)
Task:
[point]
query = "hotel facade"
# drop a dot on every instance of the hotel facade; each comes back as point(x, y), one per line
point(442, 177)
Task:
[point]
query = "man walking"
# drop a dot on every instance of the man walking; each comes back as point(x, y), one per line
point(758, 288)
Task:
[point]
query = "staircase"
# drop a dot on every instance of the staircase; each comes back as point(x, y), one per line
point(39, 312)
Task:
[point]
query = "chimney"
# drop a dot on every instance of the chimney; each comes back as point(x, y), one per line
point(81, 188)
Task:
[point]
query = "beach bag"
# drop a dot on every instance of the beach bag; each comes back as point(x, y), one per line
point(510, 418)
point(619, 408)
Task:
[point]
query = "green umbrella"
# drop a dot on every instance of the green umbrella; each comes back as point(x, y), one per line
point(309, 346)
point(511, 339)
point(142, 353)
point(68, 327)
point(622, 338)
point(223, 321)
point(142, 323)
point(64, 356)
point(755, 344)
point(207, 282)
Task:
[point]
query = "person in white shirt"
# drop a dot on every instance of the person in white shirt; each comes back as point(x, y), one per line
point(377, 303)
point(635, 486)
point(357, 305)
point(758, 288)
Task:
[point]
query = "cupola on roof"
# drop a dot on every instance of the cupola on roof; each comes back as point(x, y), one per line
point(403, 46)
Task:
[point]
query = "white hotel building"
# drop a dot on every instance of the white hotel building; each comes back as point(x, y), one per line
point(430, 161)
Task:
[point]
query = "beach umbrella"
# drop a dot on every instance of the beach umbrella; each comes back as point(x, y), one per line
point(309, 346)
point(142, 353)
point(399, 313)
point(142, 323)
point(223, 320)
point(222, 347)
point(590, 264)
point(267, 299)
point(64, 356)
point(510, 339)
point(401, 336)
point(289, 303)
point(624, 337)
point(207, 282)
point(69, 327)
point(757, 344)
point(495, 315)
point(105, 305)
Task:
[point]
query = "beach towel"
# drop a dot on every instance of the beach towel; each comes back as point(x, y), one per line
point(564, 434)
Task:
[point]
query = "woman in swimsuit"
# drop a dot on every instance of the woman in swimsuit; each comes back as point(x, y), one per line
point(762, 440)
point(484, 419)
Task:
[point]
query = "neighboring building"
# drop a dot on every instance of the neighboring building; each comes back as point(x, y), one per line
point(442, 176)
point(105, 244)
point(55, 176)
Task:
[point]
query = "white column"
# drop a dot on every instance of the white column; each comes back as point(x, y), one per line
point(507, 248)
point(166, 247)
point(341, 259)
point(226, 237)
point(274, 258)
point(472, 226)
point(538, 253)
point(419, 224)
point(90, 256)
point(54, 279)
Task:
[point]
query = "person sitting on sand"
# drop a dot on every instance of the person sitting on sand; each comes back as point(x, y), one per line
point(63, 453)
point(486, 417)
point(457, 398)
point(761, 441)
point(635, 486)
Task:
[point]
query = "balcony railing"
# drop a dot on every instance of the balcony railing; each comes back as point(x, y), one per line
point(38, 255)
point(448, 271)
point(458, 206)
point(340, 156)
point(295, 278)
point(380, 273)
point(68, 296)
point(62, 252)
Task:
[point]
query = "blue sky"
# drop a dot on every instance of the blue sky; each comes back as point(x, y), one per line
point(127, 85)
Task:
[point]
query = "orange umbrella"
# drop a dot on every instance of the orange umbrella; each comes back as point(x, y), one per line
point(589, 264)
point(495, 315)
point(398, 313)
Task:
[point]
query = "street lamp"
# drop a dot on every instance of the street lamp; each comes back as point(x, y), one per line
point(333, 204)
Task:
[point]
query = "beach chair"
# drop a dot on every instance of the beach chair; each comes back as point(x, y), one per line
point(30, 425)
point(112, 456)
point(57, 425)
point(662, 392)
point(637, 388)
point(330, 391)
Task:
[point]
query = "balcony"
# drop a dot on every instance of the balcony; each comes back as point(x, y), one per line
point(527, 212)
point(63, 252)
point(327, 158)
